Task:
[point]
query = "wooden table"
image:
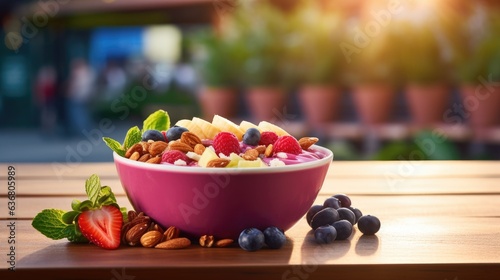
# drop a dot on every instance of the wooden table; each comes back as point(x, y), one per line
point(440, 220)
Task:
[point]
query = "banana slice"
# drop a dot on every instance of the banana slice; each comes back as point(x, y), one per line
point(267, 126)
point(208, 129)
point(226, 125)
point(245, 125)
point(194, 128)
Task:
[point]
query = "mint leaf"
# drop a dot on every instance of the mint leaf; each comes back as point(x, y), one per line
point(92, 188)
point(75, 204)
point(133, 136)
point(85, 205)
point(106, 196)
point(69, 217)
point(159, 120)
point(114, 145)
point(49, 223)
point(73, 234)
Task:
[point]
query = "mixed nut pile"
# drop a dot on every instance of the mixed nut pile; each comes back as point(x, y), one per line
point(142, 230)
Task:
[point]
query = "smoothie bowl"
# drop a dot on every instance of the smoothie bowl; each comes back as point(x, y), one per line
point(219, 192)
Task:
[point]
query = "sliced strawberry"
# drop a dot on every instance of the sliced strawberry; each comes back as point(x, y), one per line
point(102, 226)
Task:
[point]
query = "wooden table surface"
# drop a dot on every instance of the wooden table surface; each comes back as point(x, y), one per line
point(440, 220)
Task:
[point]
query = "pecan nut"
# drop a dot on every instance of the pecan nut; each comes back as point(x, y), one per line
point(206, 241)
point(190, 139)
point(171, 233)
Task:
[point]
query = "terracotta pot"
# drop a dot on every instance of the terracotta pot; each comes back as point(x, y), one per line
point(374, 103)
point(427, 103)
point(266, 103)
point(482, 105)
point(218, 101)
point(320, 104)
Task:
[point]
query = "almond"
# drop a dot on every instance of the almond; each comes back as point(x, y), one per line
point(218, 162)
point(135, 148)
point(199, 149)
point(306, 142)
point(154, 160)
point(261, 149)
point(176, 243)
point(269, 151)
point(157, 148)
point(135, 233)
point(177, 145)
point(206, 241)
point(224, 243)
point(171, 233)
point(135, 156)
point(151, 238)
point(144, 157)
point(190, 139)
point(145, 146)
point(251, 154)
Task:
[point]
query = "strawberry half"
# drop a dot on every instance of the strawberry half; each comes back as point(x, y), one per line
point(102, 226)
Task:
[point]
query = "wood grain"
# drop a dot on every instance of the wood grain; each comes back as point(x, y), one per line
point(440, 221)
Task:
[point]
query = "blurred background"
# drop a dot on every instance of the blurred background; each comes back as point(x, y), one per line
point(373, 79)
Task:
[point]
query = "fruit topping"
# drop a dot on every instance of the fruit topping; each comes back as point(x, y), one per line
point(175, 132)
point(226, 143)
point(153, 135)
point(268, 138)
point(251, 137)
point(287, 144)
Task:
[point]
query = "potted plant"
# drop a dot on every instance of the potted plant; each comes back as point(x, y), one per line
point(319, 62)
point(478, 65)
point(372, 74)
point(425, 72)
point(213, 59)
point(258, 29)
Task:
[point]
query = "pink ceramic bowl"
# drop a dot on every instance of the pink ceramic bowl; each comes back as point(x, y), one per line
point(222, 201)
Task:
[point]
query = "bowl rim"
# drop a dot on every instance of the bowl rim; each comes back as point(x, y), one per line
point(230, 170)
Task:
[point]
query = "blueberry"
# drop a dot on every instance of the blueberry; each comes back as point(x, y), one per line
point(344, 229)
point(175, 132)
point(274, 237)
point(251, 239)
point(356, 212)
point(325, 234)
point(324, 217)
point(368, 224)
point(152, 134)
point(312, 211)
point(347, 214)
point(345, 201)
point(251, 137)
point(332, 202)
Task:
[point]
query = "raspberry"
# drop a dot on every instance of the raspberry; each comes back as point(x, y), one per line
point(268, 137)
point(226, 143)
point(172, 155)
point(287, 144)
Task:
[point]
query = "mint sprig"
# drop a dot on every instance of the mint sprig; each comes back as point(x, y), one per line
point(159, 120)
point(58, 224)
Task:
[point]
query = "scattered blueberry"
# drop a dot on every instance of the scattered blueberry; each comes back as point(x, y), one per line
point(251, 239)
point(152, 134)
point(324, 217)
point(274, 237)
point(344, 229)
point(347, 214)
point(332, 202)
point(345, 201)
point(356, 212)
point(175, 132)
point(368, 224)
point(251, 137)
point(325, 234)
point(312, 211)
